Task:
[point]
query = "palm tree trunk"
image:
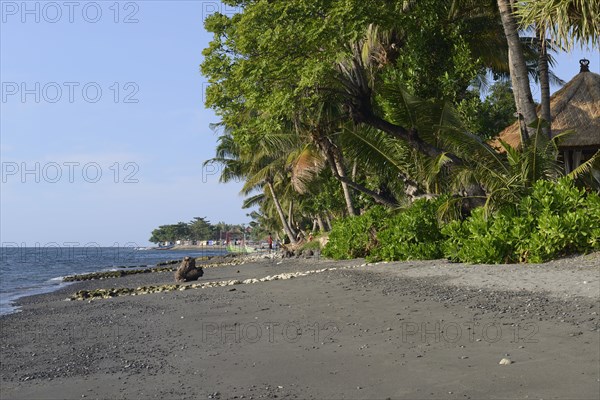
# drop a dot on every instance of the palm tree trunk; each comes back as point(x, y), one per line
point(339, 165)
point(290, 213)
point(545, 85)
point(328, 222)
point(348, 199)
point(286, 227)
point(326, 147)
point(518, 70)
point(321, 224)
point(409, 136)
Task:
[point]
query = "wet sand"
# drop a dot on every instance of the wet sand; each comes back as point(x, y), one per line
point(427, 329)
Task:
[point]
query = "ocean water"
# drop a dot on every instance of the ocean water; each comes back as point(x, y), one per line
point(26, 271)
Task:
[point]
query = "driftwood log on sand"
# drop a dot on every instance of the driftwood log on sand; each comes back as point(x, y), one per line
point(187, 271)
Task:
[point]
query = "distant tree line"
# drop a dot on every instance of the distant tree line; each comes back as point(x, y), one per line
point(197, 229)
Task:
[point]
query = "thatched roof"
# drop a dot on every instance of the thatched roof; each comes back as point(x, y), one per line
point(575, 106)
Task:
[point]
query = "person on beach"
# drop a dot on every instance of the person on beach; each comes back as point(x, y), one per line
point(270, 241)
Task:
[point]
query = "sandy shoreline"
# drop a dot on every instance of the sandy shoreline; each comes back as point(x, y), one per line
point(425, 329)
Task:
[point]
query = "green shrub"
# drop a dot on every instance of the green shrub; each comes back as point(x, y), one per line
point(480, 239)
point(556, 219)
point(353, 237)
point(413, 233)
point(312, 245)
point(568, 221)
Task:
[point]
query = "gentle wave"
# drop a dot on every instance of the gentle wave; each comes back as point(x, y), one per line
point(25, 273)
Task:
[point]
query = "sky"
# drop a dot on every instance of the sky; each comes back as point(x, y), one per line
point(103, 129)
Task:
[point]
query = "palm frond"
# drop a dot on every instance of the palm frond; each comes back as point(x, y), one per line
point(587, 167)
point(305, 163)
point(253, 201)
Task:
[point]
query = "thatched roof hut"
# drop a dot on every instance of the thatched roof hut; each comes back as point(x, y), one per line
point(576, 106)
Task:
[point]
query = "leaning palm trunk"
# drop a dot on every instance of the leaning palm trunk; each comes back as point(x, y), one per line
point(348, 198)
point(291, 214)
point(286, 227)
point(518, 71)
point(331, 157)
point(339, 166)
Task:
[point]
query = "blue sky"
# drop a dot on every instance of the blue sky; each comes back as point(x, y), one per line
point(116, 137)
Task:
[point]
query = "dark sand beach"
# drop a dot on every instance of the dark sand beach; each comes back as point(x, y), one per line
point(412, 330)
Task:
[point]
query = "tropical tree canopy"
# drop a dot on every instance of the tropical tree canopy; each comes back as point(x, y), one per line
point(330, 106)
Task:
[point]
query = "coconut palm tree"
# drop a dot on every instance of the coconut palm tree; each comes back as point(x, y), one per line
point(518, 70)
point(260, 165)
point(567, 22)
point(428, 130)
point(320, 130)
point(424, 143)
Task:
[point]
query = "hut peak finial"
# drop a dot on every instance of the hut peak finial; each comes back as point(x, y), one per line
point(584, 65)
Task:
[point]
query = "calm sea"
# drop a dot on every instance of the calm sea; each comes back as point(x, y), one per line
point(26, 271)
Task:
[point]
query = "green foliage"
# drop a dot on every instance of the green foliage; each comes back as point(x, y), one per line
point(325, 194)
point(299, 87)
point(568, 22)
point(353, 237)
point(436, 61)
point(489, 117)
point(433, 52)
point(414, 233)
point(556, 219)
point(200, 229)
point(170, 233)
point(312, 245)
point(478, 240)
